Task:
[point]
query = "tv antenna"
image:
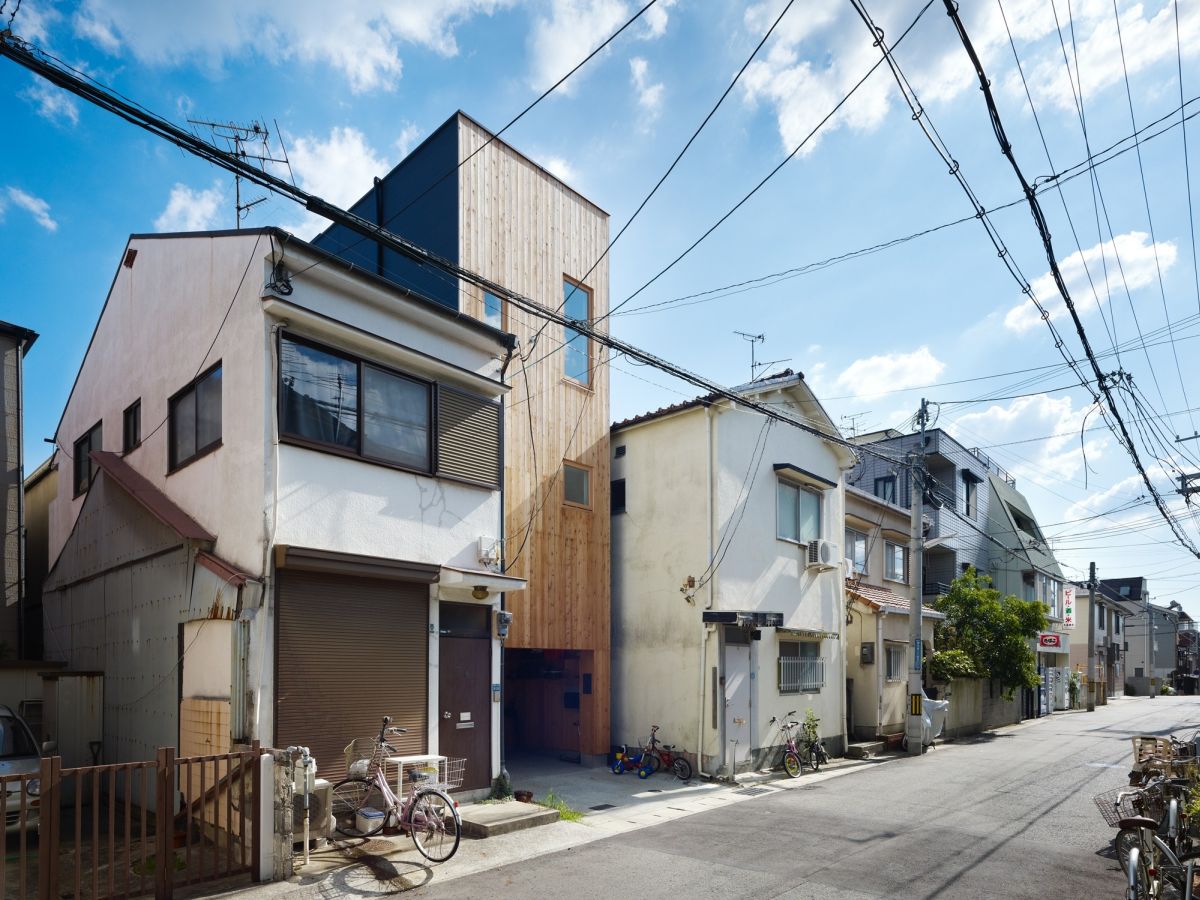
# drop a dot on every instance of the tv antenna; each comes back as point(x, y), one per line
point(852, 421)
point(248, 142)
point(756, 366)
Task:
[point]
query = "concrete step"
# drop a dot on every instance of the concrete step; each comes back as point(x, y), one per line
point(866, 750)
point(484, 820)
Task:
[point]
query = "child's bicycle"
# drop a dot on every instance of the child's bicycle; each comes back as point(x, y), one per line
point(667, 758)
point(640, 762)
point(363, 802)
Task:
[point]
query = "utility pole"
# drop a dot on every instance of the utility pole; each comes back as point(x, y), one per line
point(1150, 648)
point(916, 690)
point(1091, 663)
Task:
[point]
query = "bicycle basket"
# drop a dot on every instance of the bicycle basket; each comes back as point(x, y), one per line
point(360, 753)
point(452, 772)
point(1113, 812)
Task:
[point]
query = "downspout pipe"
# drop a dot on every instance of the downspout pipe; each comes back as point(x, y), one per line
point(709, 513)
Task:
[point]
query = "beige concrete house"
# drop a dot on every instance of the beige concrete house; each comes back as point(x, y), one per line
point(879, 588)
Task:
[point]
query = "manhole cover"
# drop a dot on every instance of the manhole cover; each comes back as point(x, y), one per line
point(602, 806)
point(752, 792)
point(370, 848)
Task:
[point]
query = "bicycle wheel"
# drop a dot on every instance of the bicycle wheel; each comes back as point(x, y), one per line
point(359, 809)
point(681, 768)
point(792, 764)
point(434, 825)
point(1126, 838)
point(654, 760)
point(814, 757)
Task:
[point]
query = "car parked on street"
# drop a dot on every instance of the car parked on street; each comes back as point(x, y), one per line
point(18, 756)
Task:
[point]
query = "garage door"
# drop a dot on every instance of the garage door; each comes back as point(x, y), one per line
point(348, 652)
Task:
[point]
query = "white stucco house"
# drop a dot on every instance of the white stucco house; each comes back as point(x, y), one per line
point(728, 600)
point(280, 507)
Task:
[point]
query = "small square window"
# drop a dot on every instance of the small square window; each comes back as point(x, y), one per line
point(619, 451)
point(83, 467)
point(895, 662)
point(577, 485)
point(798, 513)
point(131, 427)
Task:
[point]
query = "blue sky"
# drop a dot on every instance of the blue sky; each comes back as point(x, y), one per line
point(938, 316)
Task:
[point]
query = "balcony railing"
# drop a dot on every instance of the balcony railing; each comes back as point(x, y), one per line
point(801, 674)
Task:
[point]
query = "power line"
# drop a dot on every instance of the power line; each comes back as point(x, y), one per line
point(1187, 168)
point(1040, 222)
point(23, 53)
point(513, 121)
point(671, 168)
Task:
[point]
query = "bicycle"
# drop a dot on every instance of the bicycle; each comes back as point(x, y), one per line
point(793, 762)
point(363, 803)
point(666, 757)
point(1154, 851)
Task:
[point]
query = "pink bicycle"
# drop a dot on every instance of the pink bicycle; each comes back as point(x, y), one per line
point(363, 802)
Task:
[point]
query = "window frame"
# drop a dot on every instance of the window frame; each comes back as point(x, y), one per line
point(895, 651)
point(134, 409)
point(801, 488)
point(174, 465)
point(501, 312)
point(612, 494)
point(79, 457)
point(970, 495)
point(797, 643)
point(287, 437)
point(887, 480)
point(567, 341)
point(850, 544)
point(888, 573)
point(587, 470)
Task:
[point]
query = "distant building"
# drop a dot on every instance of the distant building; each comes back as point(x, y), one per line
point(1109, 642)
point(1151, 633)
point(15, 342)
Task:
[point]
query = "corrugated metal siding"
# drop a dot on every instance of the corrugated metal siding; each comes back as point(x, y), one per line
point(468, 434)
point(349, 651)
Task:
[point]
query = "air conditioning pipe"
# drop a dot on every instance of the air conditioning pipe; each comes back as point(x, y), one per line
point(304, 784)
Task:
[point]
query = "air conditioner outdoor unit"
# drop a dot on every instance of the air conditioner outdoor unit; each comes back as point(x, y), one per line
point(320, 816)
point(822, 554)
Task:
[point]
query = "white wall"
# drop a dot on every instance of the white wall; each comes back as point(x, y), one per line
point(658, 639)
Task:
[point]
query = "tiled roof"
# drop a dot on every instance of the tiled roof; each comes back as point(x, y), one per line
point(156, 502)
point(706, 400)
point(882, 598)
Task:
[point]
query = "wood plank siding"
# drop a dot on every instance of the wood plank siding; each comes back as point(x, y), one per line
point(521, 227)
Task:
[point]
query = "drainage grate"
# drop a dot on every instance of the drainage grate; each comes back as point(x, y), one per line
point(599, 807)
point(655, 791)
point(753, 791)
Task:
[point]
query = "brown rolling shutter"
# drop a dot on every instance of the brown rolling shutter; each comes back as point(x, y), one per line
point(468, 435)
point(349, 651)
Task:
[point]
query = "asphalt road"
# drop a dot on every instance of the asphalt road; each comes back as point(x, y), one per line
point(1008, 814)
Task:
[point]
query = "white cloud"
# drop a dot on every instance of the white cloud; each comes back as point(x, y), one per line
point(1052, 460)
point(1147, 38)
point(649, 95)
point(559, 168)
point(877, 375)
point(817, 54)
point(52, 103)
point(656, 18)
point(34, 20)
point(572, 29)
point(190, 210)
point(339, 169)
point(35, 206)
point(360, 39)
point(1137, 257)
point(409, 137)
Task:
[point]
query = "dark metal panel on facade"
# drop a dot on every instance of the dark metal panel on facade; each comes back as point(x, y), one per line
point(349, 651)
point(468, 437)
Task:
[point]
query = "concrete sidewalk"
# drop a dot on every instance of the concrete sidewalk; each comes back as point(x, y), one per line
point(612, 805)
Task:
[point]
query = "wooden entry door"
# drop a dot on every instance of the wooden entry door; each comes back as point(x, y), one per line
point(465, 690)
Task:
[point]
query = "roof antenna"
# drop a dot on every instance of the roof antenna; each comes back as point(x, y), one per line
point(247, 142)
point(756, 366)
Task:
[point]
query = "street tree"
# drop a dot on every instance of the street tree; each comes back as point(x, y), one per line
point(993, 631)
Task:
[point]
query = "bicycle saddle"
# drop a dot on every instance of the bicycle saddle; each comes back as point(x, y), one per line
point(1137, 822)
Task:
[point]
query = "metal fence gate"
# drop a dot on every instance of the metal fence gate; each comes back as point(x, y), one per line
point(130, 829)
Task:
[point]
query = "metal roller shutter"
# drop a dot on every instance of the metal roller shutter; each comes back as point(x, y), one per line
point(468, 435)
point(349, 651)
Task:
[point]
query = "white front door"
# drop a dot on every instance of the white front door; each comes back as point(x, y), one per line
point(737, 705)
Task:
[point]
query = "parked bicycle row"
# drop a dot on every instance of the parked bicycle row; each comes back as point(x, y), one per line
point(1157, 818)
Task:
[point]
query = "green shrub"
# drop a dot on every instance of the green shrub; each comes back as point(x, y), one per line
point(946, 665)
